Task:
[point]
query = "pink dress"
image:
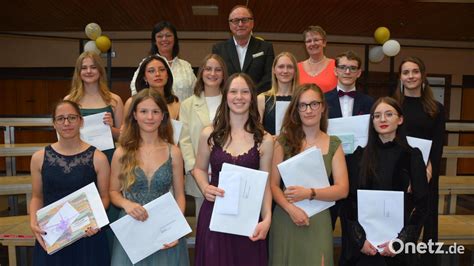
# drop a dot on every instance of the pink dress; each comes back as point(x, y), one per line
point(326, 79)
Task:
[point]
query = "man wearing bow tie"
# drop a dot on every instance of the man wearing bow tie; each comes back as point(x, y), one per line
point(245, 53)
point(345, 100)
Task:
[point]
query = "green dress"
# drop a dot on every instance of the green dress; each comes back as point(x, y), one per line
point(306, 245)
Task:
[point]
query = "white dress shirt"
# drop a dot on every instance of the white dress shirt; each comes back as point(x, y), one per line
point(241, 52)
point(346, 102)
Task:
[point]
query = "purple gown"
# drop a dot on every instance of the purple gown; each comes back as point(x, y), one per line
point(214, 248)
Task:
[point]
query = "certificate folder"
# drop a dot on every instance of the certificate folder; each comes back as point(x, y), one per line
point(307, 170)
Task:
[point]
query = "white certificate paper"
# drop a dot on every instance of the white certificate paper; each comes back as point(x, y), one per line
point(423, 144)
point(380, 213)
point(165, 224)
point(177, 126)
point(60, 223)
point(307, 169)
point(230, 183)
point(280, 110)
point(93, 197)
point(252, 189)
point(96, 133)
point(358, 126)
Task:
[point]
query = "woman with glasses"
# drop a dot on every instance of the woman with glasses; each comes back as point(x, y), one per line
point(386, 163)
point(424, 118)
point(196, 113)
point(146, 166)
point(284, 82)
point(317, 69)
point(59, 170)
point(155, 73)
point(238, 138)
point(295, 238)
point(165, 42)
point(89, 90)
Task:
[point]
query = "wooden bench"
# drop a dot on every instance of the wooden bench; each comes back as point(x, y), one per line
point(459, 127)
point(16, 185)
point(451, 187)
point(458, 152)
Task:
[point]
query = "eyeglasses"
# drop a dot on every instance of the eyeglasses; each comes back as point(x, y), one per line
point(314, 105)
point(70, 118)
point(164, 36)
point(236, 21)
point(308, 41)
point(344, 68)
point(388, 115)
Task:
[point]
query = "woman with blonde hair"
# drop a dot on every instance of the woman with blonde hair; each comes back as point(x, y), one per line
point(146, 166)
point(317, 69)
point(89, 90)
point(285, 78)
point(197, 112)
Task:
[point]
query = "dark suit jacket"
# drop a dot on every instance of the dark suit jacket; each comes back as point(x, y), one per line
point(362, 104)
point(257, 64)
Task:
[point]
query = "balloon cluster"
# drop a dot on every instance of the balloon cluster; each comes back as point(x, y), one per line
point(98, 43)
point(388, 48)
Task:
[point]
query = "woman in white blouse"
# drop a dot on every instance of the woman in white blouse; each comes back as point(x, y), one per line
point(165, 42)
point(198, 112)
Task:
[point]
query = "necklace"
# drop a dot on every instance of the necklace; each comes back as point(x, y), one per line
point(312, 62)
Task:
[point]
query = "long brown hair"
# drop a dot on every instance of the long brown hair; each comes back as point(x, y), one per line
point(274, 89)
point(199, 87)
point(77, 86)
point(221, 133)
point(427, 99)
point(292, 133)
point(130, 139)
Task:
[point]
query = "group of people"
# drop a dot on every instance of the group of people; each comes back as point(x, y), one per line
point(228, 116)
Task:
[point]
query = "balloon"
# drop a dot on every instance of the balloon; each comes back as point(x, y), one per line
point(91, 47)
point(381, 35)
point(391, 48)
point(93, 31)
point(376, 54)
point(103, 43)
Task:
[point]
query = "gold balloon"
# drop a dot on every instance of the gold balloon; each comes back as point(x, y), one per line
point(93, 31)
point(103, 43)
point(381, 35)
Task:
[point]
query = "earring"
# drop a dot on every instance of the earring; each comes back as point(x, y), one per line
point(146, 82)
point(422, 87)
point(402, 88)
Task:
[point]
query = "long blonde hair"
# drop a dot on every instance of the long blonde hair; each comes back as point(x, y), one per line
point(130, 139)
point(77, 86)
point(274, 89)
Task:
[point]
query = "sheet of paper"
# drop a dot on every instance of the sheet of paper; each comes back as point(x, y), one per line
point(252, 188)
point(177, 126)
point(307, 169)
point(165, 224)
point(59, 223)
point(347, 142)
point(96, 133)
point(423, 144)
point(230, 183)
point(280, 110)
point(93, 197)
point(356, 125)
point(380, 213)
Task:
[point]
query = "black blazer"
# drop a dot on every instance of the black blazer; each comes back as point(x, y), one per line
point(362, 104)
point(257, 64)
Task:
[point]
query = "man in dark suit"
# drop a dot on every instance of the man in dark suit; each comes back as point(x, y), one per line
point(245, 53)
point(345, 100)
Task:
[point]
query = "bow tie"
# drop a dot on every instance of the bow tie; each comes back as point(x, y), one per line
point(351, 94)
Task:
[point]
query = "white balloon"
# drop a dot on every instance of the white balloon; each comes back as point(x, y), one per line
point(391, 48)
point(376, 54)
point(91, 47)
point(93, 31)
